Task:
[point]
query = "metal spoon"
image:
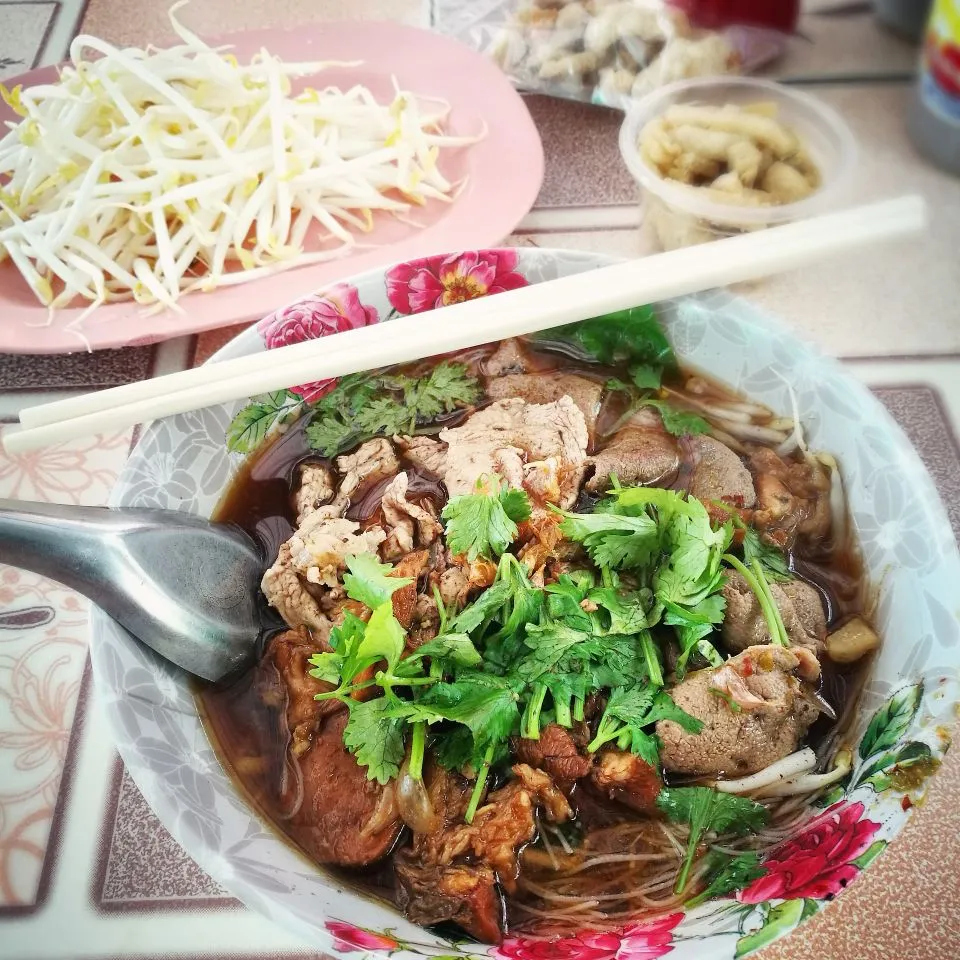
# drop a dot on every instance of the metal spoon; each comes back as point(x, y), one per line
point(185, 587)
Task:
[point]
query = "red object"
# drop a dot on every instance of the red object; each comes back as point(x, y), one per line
point(819, 861)
point(716, 14)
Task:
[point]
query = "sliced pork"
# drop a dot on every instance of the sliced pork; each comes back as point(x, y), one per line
point(513, 434)
point(719, 474)
point(549, 387)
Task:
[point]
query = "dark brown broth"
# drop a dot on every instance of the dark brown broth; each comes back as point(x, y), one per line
point(259, 501)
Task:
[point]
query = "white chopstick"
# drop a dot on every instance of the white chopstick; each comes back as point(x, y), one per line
point(473, 322)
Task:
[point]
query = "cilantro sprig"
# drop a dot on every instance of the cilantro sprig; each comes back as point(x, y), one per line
point(361, 406)
point(706, 810)
point(485, 523)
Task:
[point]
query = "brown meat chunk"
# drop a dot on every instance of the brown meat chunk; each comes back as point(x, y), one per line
point(463, 894)
point(372, 462)
point(648, 457)
point(549, 387)
point(719, 474)
point(773, 687)
point(505, 823)
point(283, 681)
point(425, 621)
point(512, 432)
point(793, 499)
point(411, 568)
point(424, 452)
point(509, 357)
point(626, 778)
point(314, 488)
point(344, 818)
point(800, 607)
point(408, 524)
point(555, 753)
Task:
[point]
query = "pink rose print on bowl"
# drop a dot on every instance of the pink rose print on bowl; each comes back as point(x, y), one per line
point(420, 285)
point(317, 316)
point(817, 863)
point(347, 938)
point(639, 941)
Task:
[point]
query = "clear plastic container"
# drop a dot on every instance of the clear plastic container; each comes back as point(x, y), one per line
point(679, 215)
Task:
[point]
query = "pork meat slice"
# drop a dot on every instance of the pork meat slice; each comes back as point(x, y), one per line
point(513, 432)
point(793, 499)
point(642, 455)
point(800, 607)
point(555, 753)
point(408, 524)
point(549, 387)
point(624, 777)
point(315, 486)
point(286, 593)
point(719, 474)
point(411, 567)
point(308, 567)
point(371, 463)
point(424, 452)
point(509, 357)
point(344, 818)
point(772, 688)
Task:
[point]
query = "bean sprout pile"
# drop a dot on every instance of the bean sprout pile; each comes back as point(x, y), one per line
point(149, 173)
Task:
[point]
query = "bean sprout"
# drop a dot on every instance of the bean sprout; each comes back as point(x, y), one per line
point(143, 174)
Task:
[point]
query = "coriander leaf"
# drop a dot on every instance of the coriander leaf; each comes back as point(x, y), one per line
point(663, 708)
point(330, 435)
point(549, 644)
point(515, 504)
point(484, 523)
point(646, 376)
point(484, 704)
point(564, 599)
point(383, 415)
point(455, 647)
point(772, 560)
point(368, 581)
point(680, 423)
point(627, 611)
point(448, 387)
point(615, 383)
point(345, 637)
point(383, 639)
point(611, 540)
point(623, 336)
point(251, 425)
point(453, 748)
point(708, 811)
point(726, 874)
point(485, 606)
point(666, 503)
point(375, 737)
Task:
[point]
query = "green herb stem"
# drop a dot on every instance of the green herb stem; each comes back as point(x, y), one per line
point(578, 706)
point(479, 785)
point(418, 744)
point(692, 843)
point(653, 661)
point(530, 724)
point(781, 636)
point(766, 605)
point(562, 707)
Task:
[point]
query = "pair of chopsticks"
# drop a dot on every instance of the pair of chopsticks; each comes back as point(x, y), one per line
point(470, 323)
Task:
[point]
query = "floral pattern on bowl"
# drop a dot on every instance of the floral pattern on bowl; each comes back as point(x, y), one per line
point(899, 737)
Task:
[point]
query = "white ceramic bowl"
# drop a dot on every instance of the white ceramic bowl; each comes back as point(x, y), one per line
point(679, 215)
point(182, 463)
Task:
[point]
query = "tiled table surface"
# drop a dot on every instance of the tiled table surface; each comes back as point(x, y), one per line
point(86, 871)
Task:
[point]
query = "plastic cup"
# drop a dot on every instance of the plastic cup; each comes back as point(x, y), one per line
point(679, 215)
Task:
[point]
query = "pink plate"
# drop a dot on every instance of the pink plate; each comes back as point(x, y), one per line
point(504, 172)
